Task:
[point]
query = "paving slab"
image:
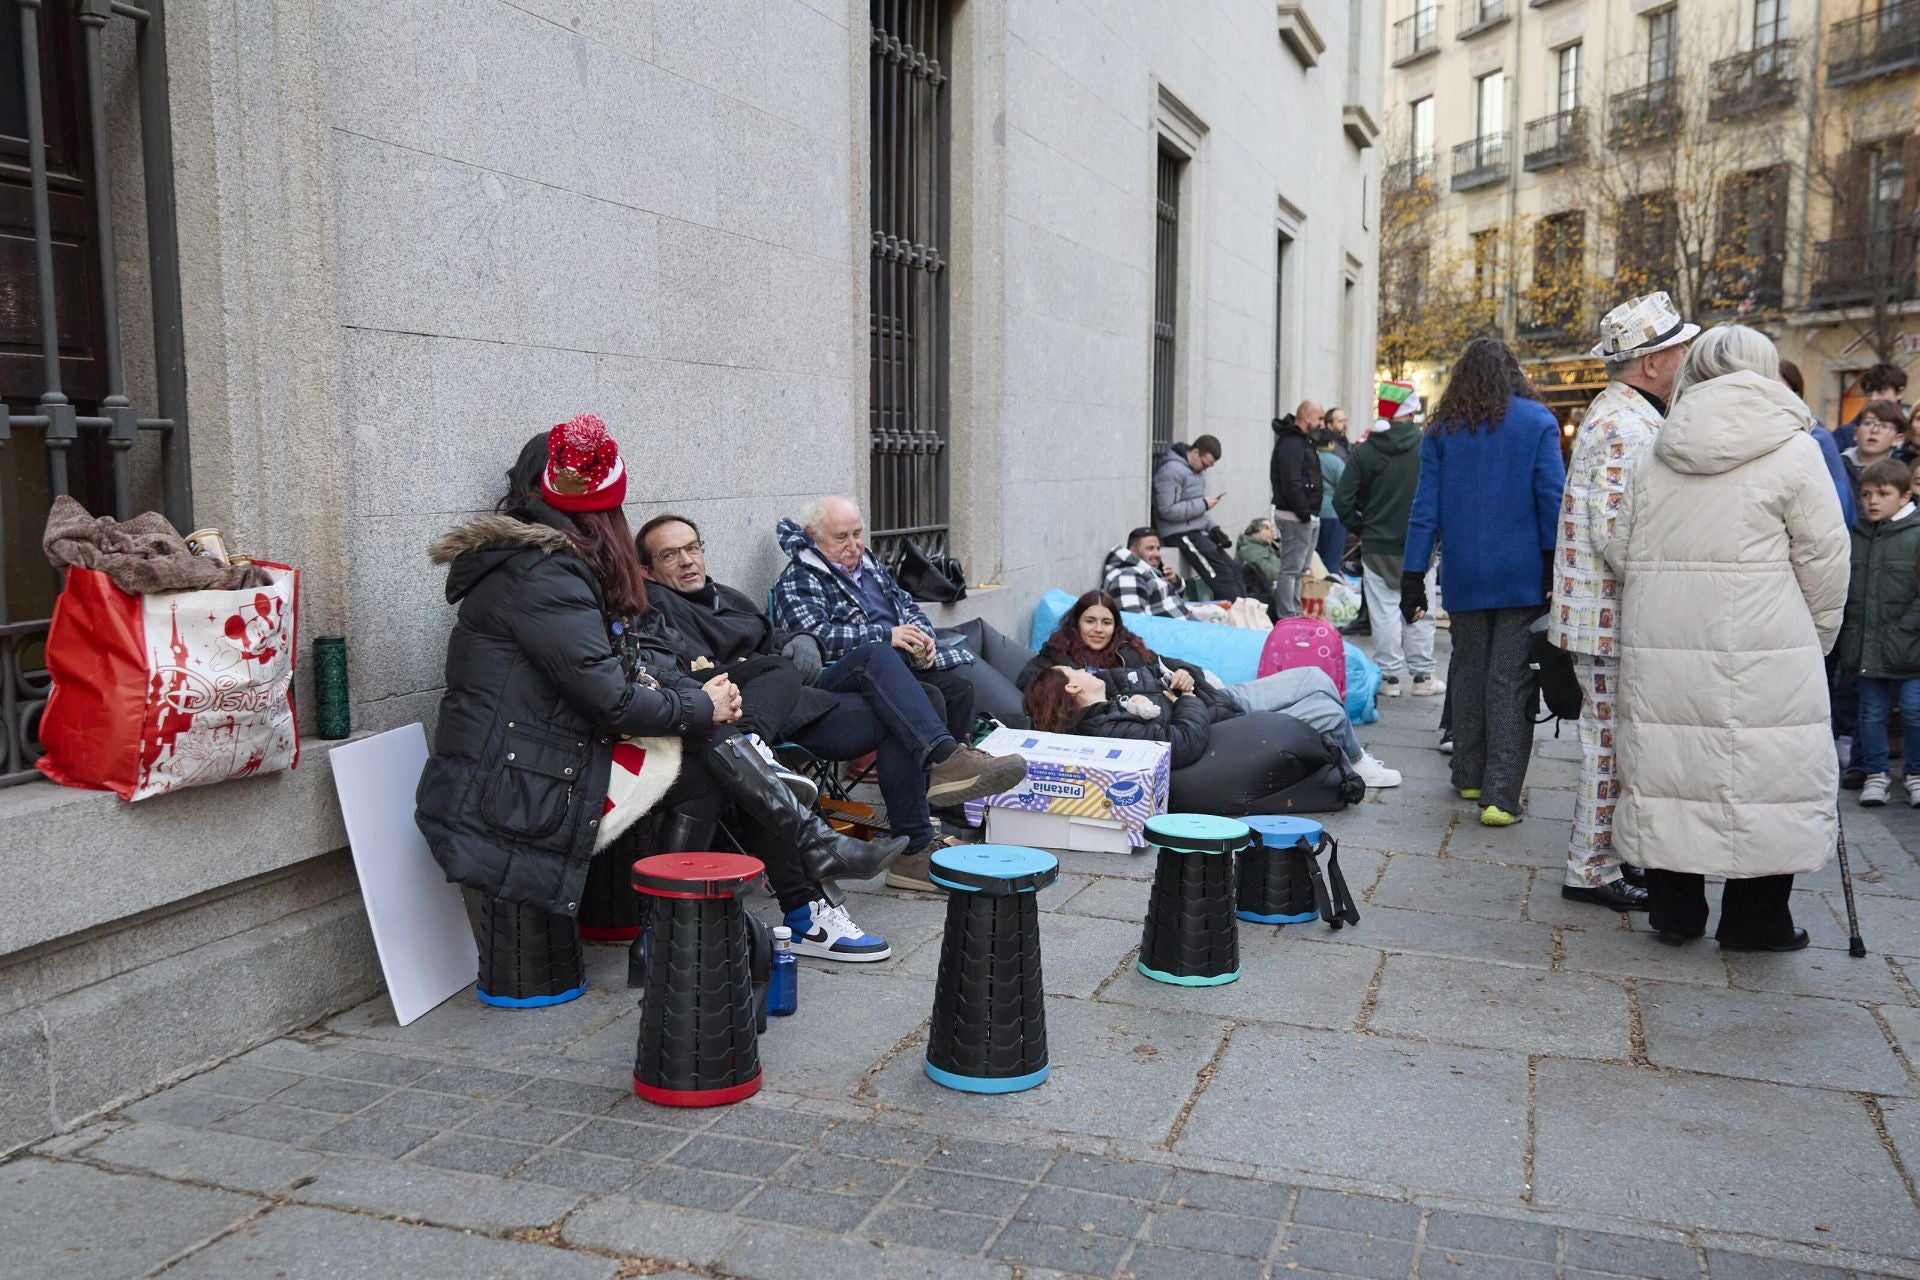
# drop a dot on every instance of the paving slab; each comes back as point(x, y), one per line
point(1112, 898)
point(224, 1159)
point(667, 1233)
point(1550, 804)
point(298, 1243)
point(434, 1195)
point(1764, 1035)
point(1394, 824)
point(1394, 929)
point(764, 1252)
point(1888, 925)
point(464, 1023)
point(1118, 1072)
point(1355, 1103)
point(1817, 972)
point(1637, 953)
point(866, 1013)
point(1280, 981)
point(1498, 1006)
point(1734, 1155)
point(51, 1217)
point(1461, 886)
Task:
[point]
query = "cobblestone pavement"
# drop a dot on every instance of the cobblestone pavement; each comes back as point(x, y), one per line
point(1481, 1080)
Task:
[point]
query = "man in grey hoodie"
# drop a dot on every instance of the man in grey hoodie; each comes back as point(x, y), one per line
point(1183, 516)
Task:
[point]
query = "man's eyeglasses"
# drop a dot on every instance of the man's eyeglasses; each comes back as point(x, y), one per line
point(674, 555)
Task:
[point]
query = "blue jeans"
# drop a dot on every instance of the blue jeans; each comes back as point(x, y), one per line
point(1877, 699)
point(885, 710)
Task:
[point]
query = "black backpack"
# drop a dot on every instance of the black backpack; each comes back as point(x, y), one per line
point(1552, 671)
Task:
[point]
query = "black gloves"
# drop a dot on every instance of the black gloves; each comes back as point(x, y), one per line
point(1220, 538)
point(1413, 595)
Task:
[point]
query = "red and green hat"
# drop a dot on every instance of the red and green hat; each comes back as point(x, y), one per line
point(1397, 400)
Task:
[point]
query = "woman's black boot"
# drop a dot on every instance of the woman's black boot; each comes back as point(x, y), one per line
point(678, 834)
point(825, 854)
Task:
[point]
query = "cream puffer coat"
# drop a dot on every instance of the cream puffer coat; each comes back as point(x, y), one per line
point(1733, 557)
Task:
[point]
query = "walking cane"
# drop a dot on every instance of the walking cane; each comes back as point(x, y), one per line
point(1855, 947)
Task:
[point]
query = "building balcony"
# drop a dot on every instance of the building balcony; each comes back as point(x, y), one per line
point(1416, 37)
point(1481, 163)
point(1864, 270)
point(1478, 16)
point(1875, 44)
point(1640, 116)
point(1413, 176)
point(1754, 82)
point(1555, 140)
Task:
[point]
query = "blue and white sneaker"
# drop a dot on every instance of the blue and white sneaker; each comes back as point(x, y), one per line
point(823, 930)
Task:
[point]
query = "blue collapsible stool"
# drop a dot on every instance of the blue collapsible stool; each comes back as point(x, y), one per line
point(1280, 878)
point(1191, 937)
point(989, 1031)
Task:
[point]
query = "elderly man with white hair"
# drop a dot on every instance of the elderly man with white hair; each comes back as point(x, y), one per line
point(838, 593)
point(1643, 342)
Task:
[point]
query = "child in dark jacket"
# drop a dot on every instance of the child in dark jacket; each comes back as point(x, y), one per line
point(1880, 636)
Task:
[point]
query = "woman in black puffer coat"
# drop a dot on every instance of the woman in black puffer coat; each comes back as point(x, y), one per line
point(537, 697)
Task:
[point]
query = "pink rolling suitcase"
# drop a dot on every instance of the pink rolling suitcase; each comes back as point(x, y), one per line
point(1306, 642)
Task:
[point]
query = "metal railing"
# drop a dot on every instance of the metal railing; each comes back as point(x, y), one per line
point(1411, 176)
point(1555, 140)
point(1416, 36)
point(1480, 162)
point(907, 408)
point(1647, 114)
point(72, 428)
point(1477, 16)
point(1874, 44)
point(1755, 81)
point(1865, 270)
point(1166, 268)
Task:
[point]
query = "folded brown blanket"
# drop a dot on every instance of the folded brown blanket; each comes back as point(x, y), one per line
point(144, 555)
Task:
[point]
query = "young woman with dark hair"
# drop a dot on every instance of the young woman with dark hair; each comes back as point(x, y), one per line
point(544, 678)
point(1093, 639)
point(1491, 477)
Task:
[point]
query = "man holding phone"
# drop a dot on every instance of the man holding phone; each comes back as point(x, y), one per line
point(1183, 516)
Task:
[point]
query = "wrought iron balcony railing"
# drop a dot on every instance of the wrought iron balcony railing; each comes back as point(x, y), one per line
point(1411, 176)
point(1758, 80)
point(1865, 270)
point(1480, 162)
point(1416, 37)
point(1477, 16)
point(1650, 113)
point(1875, 44)
point(1555, 140)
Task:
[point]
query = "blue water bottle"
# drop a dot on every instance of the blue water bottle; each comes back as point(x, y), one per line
point(783, 989)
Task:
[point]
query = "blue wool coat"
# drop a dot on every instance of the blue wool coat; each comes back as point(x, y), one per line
point(1491, 497)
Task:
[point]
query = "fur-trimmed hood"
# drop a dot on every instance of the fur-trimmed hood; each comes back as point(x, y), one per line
point(475, 549)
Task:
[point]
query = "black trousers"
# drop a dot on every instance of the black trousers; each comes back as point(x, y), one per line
point(951, 694)
point(1218, 569)
point(1753, 912)
point(769, 688)
point(1491, 698)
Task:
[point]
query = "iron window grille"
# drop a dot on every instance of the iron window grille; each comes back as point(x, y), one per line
point(1166, 286)
point(911, 181)
point(62, 373)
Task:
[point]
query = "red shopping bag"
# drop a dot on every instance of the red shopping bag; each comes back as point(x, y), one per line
point(176, 689)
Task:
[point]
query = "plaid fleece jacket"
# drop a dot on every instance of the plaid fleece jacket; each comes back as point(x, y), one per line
point(811, 595)
point(1138, 586)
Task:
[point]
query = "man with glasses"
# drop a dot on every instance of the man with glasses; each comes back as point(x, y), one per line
point(869, 700)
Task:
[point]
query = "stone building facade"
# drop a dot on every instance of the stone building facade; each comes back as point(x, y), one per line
point(1756, 158)
point(408, 237)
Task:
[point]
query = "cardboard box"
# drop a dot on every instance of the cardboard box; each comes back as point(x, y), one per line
point(1094, 794)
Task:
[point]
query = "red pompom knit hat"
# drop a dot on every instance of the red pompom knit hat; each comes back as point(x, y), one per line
point(584, 471)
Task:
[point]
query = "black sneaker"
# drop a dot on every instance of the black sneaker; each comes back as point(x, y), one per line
point(1853, 779)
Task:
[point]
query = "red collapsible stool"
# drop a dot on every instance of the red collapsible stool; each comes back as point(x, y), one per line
point(697, 1041)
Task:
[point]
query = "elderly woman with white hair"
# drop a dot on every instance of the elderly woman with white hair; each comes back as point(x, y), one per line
point(1733, 559)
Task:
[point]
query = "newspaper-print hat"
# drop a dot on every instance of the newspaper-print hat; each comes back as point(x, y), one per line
point(1641, 325)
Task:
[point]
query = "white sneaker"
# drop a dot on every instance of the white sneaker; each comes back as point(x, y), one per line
point(1913, 792)
point(823, 930)
point(1874, 793)
point(1428, 685)
point(1390, 686)
point(1375, 774)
